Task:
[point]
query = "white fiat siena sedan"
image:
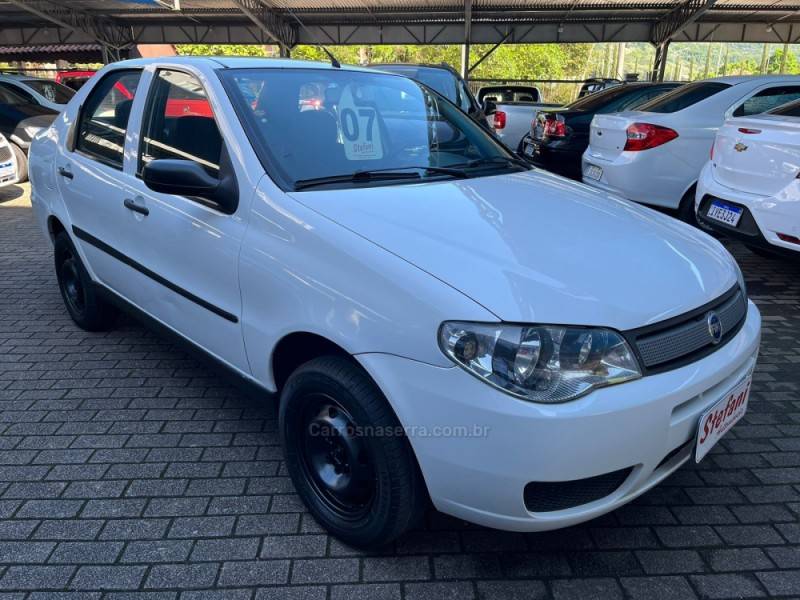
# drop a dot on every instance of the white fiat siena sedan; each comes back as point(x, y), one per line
point(441, 322)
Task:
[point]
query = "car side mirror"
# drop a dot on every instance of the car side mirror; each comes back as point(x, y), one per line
point(489, 107)
point(188, 178)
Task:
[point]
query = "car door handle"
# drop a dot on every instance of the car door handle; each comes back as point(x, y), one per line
point(131, 205)
point(64, 172)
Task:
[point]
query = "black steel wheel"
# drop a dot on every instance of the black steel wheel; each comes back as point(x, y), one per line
point(336, 460)
point(346, 453)
point(84, 305)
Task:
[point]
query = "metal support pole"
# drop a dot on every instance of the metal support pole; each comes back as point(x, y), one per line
point(467, 39)
point(660, 62)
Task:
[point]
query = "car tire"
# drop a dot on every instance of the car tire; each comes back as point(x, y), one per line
point(84, 305)
point(349, 460)
point(686, 211)
point(22, 162)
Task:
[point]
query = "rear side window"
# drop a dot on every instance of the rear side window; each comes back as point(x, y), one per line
point(104, 117)
point(11, 94)
point(179, 123)
point(767, 99)
point(54, 92)
point(684, 97)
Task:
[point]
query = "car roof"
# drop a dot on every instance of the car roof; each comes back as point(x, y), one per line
point(237, 62)
point(737, 79)
point(440, 66)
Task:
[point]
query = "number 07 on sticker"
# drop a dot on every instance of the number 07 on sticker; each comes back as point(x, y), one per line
point(360, 130)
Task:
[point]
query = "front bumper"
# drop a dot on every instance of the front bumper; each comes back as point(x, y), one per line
point(478, 448)
point(763, 217)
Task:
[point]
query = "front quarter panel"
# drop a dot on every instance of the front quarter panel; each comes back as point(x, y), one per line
point(301, 272)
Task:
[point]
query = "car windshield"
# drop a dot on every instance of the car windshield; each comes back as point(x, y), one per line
point(311, 125)
point(54, 92)
point(593, 101)
point(684, 97)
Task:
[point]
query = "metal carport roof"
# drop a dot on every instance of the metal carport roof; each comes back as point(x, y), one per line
point(118, 24)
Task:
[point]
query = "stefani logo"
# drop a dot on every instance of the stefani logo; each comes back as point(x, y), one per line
point(740, 147)
point(714, 327)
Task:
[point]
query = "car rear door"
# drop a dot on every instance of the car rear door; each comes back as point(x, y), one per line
point(189, 246)
point(91, 180)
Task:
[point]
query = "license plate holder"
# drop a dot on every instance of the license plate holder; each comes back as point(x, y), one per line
point(718, 420)
point(593, 172)
point(724, 213)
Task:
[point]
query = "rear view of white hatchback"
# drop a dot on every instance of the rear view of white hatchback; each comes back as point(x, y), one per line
point(654, 155)
point(750, 189)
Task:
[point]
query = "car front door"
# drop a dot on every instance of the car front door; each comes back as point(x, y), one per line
point(90, 177)
point(189, 245)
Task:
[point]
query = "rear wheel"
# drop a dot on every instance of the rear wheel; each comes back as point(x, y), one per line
point(22, 162)
point(348, 458)
point(686, 212)
point(84, 305)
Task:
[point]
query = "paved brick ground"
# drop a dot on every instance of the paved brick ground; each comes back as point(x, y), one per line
point(128, 470)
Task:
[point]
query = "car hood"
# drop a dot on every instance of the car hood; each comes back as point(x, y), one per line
point(536, 248)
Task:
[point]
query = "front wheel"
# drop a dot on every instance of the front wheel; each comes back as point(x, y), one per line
point(347, 455)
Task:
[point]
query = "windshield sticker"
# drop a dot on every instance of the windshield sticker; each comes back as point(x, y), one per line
point(358, 122)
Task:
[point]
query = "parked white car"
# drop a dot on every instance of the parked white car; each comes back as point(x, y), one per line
point(432, 312)
point(8, 163)
point(749, 189)
point(44, 92)
point(654, 155)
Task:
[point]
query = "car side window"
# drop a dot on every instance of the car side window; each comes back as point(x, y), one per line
point(104, 117)
point(13, 89)
point(179, 123)
point(767, 99)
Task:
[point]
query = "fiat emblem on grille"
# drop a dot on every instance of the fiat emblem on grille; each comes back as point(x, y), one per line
point(714, 327)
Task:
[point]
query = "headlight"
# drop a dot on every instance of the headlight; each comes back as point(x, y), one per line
point(32, 130)
point(540, 363)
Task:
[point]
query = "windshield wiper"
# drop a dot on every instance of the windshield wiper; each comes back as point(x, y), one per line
point(376, 175)
point(495, 160)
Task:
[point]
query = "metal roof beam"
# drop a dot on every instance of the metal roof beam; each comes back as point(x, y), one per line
point(269, 22)
point(678, 19)
point(112, 36)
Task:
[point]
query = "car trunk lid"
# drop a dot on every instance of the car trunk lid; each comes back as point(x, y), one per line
point(757, 155)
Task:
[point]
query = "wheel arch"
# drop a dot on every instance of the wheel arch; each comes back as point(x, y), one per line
point(54, 227)
point(297, 348)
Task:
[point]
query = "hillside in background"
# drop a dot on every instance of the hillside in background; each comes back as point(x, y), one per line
point(687, 61)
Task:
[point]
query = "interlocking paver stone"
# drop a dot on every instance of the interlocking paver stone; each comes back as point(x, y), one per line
point(132, 470)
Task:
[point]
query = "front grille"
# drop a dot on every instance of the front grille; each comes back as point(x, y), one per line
point(5, 153)
point(547, 496)
point(686, 338)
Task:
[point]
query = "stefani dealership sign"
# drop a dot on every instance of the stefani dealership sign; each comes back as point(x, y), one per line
point(721, 417)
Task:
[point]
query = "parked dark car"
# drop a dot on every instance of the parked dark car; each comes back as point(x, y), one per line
point(597, 84)
point(444, 80)
point(20, 120)
point(559, 137)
